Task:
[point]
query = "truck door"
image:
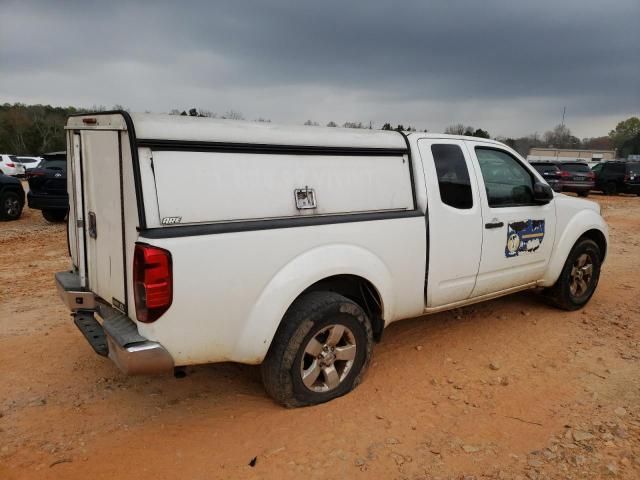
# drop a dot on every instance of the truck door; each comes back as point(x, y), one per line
point(518, 234)
point(103, 213)
point(455, 221)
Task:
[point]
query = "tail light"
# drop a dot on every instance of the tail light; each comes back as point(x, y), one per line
point(591, 175)
point(565, 174)
point(152, 282)
point(11, 165)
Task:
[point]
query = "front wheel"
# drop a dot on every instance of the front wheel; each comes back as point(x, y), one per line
point(579, 277)
point(320, 351)
point(55, 216)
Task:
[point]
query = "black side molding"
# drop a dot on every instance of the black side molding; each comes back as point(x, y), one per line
point(230, 147)
point(270, 224)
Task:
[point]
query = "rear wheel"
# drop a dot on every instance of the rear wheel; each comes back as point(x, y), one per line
point(320, 351)
point(52, 215)
point(579, 277)
point(611, 188)
point(10, 206)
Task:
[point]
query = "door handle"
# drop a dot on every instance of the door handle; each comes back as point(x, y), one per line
point(93, 225)
point(494, 225)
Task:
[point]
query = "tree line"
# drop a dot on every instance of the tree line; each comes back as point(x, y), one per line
point(37, 129)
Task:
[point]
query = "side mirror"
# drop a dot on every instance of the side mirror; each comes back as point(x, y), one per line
point(542, 193)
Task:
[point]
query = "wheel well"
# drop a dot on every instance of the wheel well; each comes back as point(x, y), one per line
point(598, 237)
point(11, 188)
point(359, 290)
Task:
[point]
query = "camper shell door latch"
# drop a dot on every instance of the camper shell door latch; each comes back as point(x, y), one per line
point(305, 198)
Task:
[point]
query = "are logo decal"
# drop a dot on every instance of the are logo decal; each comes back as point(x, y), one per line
point(171, 220)
point(524, 237)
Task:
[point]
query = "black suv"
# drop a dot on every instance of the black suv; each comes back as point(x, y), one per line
point(48, 187)
point(615, 177)
point(11, 197)
point(550, 172)
point(576, 177)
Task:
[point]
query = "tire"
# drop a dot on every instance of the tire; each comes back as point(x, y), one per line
point(611, 188)
point(584, 193)
point(11, 206)
point(54, 215)
point(569, 293)
point(308, 326)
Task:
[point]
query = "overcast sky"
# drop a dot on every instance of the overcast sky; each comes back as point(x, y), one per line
point(508, 66)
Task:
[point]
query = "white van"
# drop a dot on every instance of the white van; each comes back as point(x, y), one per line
point(198, 240)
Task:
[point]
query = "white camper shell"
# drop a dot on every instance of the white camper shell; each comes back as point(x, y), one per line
point(199, 240)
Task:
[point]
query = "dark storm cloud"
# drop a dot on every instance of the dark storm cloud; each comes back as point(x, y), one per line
point(456, 60)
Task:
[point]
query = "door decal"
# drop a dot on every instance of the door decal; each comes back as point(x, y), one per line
point(524, 237)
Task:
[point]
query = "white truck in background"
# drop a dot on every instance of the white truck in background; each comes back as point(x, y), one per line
point(197, 240)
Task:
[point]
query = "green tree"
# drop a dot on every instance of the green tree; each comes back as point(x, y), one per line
point(481, 133)
point(626, 136)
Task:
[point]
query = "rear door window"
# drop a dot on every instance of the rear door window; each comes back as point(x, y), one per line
point(542, 168)
point(453, 176)
point(55, 165)
point(576, 167)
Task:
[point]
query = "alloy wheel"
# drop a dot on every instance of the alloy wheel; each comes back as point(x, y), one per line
point(328, 358)
point(12, 207)
point(581, 275)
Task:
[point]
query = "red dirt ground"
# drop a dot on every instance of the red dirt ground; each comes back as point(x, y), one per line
point(562, 401)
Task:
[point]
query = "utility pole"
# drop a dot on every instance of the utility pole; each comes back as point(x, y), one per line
point(564, 110)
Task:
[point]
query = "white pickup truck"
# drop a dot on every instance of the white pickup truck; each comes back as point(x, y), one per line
point(198, 240)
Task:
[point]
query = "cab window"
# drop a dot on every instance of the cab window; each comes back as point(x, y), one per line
point(453, 176)
point(506, 181)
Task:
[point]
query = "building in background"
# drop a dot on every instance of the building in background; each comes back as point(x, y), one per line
point(570, 155)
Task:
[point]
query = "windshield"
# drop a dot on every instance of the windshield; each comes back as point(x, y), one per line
point(576, 167)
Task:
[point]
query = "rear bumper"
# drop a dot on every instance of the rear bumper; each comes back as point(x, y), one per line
point(116, 336)
point(577, 186)
point(44, 202)
point(632, 188)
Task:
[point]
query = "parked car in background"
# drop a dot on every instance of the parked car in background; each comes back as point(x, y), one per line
point(576, 177)
point(615, 177)
point(11, 198)
point(48, 187)
point(550, 172)
point(10, 166)
point(29, 163)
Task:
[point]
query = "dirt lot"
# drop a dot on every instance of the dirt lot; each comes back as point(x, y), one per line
point(506, 389)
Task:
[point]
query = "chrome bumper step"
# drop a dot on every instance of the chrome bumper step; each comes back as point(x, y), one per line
point(116, 336)
point(92, 331)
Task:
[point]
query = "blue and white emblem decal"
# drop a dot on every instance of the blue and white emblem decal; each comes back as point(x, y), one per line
point(524, 237)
